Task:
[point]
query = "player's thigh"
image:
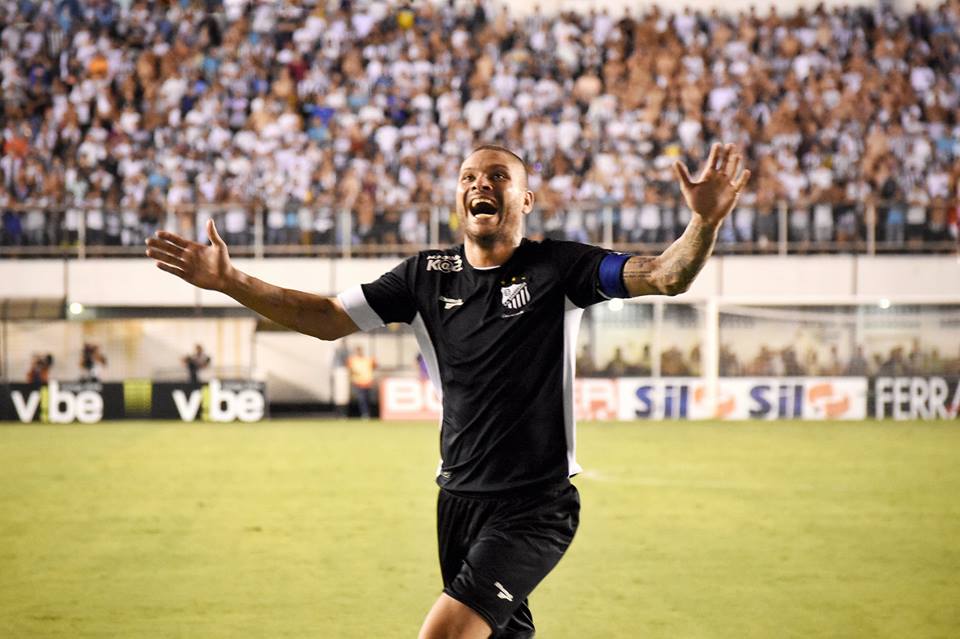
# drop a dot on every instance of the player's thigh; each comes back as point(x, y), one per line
point(450, 619)
point(514, 551)
point(459, 522)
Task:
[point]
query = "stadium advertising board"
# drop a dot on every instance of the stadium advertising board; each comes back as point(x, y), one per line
point(915, 398)
point(88, 403)
point(218, 401)
point(408, 398)
point(61, 402)
point(811, 398)
point(634, 398)
point(667, 398)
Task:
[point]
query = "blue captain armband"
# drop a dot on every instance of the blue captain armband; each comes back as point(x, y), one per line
point(611, 275)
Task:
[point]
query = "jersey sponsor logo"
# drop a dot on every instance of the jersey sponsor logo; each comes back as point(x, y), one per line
point(444, 263)
point(450, 302)
point(503, 594)
point(515, 296)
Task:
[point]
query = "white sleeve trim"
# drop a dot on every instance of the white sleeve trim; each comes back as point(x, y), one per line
point(355, 304)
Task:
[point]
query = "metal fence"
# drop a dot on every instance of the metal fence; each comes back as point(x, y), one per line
point(252, 229)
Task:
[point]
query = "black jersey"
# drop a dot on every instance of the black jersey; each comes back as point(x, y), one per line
point(500, 347)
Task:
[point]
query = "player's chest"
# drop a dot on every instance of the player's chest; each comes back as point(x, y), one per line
point(489, 304)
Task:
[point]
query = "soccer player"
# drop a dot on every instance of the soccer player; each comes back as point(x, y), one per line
point(496, 319)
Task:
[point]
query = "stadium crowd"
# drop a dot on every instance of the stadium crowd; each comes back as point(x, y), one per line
point(898, 361)
point(121, 117)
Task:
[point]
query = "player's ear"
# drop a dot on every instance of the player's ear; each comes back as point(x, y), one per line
point(528, 199)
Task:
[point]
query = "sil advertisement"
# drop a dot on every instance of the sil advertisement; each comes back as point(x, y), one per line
point(640, 398)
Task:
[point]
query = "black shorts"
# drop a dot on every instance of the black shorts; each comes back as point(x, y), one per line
point(495, 550)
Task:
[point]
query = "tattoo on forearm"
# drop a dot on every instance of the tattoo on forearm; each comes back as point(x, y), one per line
point(674, 270)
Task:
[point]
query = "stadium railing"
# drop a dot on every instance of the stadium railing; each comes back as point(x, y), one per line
point(84, 231)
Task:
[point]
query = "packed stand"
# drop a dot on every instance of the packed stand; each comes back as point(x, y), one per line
point(897, 361)
point(329, 123)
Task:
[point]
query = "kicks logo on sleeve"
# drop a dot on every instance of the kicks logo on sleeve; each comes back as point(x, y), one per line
point(444, 263)
point(503, 594)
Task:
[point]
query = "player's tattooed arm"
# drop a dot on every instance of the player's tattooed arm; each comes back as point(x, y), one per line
point(710, 197)
point(208, 266)
point(673, 271)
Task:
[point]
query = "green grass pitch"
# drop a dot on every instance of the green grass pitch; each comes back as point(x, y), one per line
point(325, 529)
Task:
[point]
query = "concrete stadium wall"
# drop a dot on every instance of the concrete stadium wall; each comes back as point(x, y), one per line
point(296, 368)
point(137, 283)
point(299, 368)
point(135, 348)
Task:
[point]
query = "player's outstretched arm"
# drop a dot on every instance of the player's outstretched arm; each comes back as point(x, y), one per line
point(208, 266)
point(710, 197)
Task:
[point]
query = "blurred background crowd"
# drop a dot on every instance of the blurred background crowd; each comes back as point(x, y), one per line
point(328, 122)
point(779, 362)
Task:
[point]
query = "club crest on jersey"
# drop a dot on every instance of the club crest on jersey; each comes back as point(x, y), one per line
point(515, 294)
point(444, 263)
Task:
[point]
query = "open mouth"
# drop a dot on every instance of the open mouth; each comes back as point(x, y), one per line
point(483, 207)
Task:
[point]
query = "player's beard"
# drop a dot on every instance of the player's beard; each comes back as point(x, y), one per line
point(507, 232)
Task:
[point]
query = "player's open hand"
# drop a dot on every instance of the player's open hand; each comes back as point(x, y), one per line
point(714, 194)
point(204, 265)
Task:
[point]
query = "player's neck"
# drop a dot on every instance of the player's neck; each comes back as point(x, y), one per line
point(480, 255)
